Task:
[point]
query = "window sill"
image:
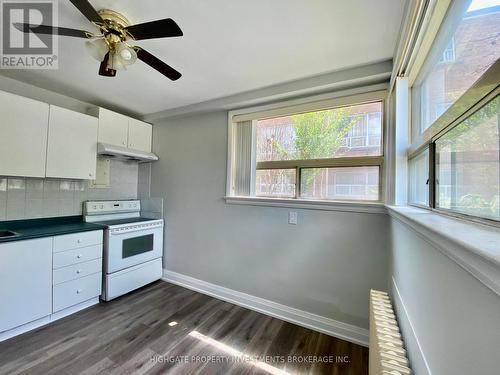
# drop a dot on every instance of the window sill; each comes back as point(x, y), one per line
point(475, 247)
point(364, 207)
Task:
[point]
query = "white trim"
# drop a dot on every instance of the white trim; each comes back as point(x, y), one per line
point(432, 19)
point(5, 335)
point(73, 309)
point(401, 132)
point(230, 157)
point(404, 320)
point(472, 246)
point(306, 319)
point(24, 328)
point(368, 207)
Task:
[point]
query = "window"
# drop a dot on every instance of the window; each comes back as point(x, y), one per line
point(278, 183)
point(467, 45)
point(329, 150)
point(455, 119)
point(322, 136)
point(333, 133)
point(467, 165)
point(419, 179)
point(344, 183)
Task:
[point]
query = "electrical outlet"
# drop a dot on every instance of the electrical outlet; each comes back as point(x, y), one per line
point(292, 217)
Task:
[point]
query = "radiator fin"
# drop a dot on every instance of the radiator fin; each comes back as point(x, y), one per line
point(387, 353)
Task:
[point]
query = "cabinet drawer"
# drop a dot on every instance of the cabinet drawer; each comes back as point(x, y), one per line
point(76, 291)
point(76, 271)
point(76, 256)
point(76, 240)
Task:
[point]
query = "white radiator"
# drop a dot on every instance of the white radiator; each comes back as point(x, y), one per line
point(387, 355)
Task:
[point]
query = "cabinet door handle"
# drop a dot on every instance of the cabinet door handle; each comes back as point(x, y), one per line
point(78, 291)
point(79, 241)
point(78, 271)
point(79, 256)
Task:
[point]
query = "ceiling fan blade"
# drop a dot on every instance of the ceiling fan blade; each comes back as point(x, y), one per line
point(157, 64)
point(88, 11)
point(44, 29)
point(104, 69)
point(154, 29)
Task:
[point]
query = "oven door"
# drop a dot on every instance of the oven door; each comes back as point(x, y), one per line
point(127, 248)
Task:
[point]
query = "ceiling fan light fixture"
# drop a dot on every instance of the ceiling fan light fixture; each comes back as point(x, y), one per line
point(126, 54)
point(111, 47)
point(116, 62)
point(97, 48)
point(105, 67)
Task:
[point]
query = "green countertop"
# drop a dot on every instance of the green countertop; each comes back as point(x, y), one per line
point(38, 228)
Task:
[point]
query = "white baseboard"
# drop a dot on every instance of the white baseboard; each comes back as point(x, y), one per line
point(46, 319)
point(302, 318)
point(416, 357)
point(73, 309)
point(5, 335)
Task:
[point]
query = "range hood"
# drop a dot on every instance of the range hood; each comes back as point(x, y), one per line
point(124, 153)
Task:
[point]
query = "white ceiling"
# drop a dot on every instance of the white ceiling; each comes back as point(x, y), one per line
point(228, 47)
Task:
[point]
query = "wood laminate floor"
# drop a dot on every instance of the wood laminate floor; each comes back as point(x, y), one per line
point(167, 329)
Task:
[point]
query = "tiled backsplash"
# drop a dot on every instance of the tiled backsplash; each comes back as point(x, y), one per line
point(26, 198)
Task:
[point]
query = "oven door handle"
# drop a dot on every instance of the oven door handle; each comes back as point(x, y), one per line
point(120, 231)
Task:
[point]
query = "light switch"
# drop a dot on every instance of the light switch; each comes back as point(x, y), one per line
point(292, 217)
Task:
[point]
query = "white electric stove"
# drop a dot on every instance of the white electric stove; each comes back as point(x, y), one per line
point(133, 245)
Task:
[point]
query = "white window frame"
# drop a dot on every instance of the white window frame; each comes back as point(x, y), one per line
point(485, 89)
point(315, 103)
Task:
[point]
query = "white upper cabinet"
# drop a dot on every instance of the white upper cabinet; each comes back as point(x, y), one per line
point(23, 136)
point(139, 135)
point(120, 130)
point(72, 144)
point(113, 128)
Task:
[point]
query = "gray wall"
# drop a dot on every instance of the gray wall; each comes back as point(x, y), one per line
point(325, 265)
point(37, 93)
point(455, 317)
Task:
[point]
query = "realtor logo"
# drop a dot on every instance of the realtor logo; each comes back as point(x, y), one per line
point(27, 50)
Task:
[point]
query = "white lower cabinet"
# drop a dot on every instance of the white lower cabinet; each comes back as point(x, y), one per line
point(40, 283)
point(76, 291)
point(75, 256)
point(77, 240)
point(77, 269)
point(25, 282)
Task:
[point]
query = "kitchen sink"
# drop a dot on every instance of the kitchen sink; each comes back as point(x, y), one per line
point(7, 233)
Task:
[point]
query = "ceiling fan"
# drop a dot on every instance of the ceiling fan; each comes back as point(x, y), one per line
point(111, 46)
